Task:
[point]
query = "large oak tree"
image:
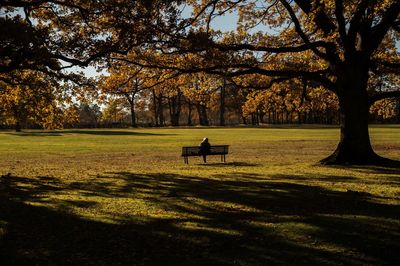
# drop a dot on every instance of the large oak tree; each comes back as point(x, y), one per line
point(338, 44)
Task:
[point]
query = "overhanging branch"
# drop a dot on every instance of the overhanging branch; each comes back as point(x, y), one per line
point(329, 54)
point(384, 95)
point(299, 30)
point(317, 76)
point(287, 49)
point(321, 19)
point(386, 67)
point(380, 30)
point(261, 87)
point(341, 20)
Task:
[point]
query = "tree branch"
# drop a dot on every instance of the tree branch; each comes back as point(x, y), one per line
point(28, 4)
point(261, 87)
point(380, 30)
point(209, 19)
point(331, 57)
point(82, 63)
point(317, 76)
point(125, 83)
point(287, 49)
point(321, 19)
point(384, 95)
point(396, 26)
point(244, 69)
point(191, 21)
point(298, 28)
point(354, 27)
point(387, 66)
point(341, 20)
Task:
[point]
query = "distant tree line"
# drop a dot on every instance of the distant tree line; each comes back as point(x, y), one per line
point(204, 101)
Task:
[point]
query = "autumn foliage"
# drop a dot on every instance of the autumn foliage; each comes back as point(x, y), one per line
point(167, 63)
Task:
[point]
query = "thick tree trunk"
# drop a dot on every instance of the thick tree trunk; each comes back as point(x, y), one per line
point(354, 146)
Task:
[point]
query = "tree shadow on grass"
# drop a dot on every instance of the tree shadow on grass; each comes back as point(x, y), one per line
point(236, 220)
point(326, 178)
point(227, 164)
point(87, 132)
point(114, 133)
point(391, 173)
point(35, 134)
point(393, 170)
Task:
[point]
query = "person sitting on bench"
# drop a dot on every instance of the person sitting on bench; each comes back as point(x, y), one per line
point(205, 149)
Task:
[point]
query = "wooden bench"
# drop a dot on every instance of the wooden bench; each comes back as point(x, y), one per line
point(195, 151)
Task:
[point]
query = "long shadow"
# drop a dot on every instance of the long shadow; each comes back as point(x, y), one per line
point(227, 164)
point(327, 178)
point(114, 133)
point(35, 134)
point(88, 132)
point(297, 126)
point(236, 220)
point(393, 169)
point(391, 172)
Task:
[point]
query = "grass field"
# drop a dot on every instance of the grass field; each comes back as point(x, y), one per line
point(125, 197)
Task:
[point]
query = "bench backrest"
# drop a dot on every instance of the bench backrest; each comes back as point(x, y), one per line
point(219, 149)
point(214, 150)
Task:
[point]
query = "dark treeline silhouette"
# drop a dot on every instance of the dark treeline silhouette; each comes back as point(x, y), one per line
point(179, 110)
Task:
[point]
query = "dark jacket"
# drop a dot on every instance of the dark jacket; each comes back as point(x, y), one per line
point(205, 147)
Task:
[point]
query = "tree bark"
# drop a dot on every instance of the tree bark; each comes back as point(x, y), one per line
point(202, 111)
point(189, 121)
point(222, 105)
point(161, 110)
point(155, 108)
point(354, 146)
point(244, 119)
point(175, 103)
point(133, 115)
point(17, 127)
point(131, 101)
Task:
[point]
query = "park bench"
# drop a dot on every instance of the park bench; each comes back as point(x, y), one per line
point(195, 151)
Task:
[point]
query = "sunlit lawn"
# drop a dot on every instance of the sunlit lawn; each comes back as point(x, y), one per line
point(125, 197)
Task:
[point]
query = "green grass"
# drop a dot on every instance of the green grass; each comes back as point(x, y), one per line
point(125, 197)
